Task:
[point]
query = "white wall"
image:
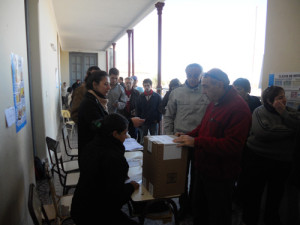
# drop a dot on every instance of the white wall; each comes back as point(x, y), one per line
point(16, 149)
point(65, 70)
point(102, 60)
point(282, 45)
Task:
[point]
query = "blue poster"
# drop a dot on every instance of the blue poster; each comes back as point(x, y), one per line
point(18, 90)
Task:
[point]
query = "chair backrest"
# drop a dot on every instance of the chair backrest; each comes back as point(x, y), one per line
point(65, 136)
point(35, 207)
point(52, 146)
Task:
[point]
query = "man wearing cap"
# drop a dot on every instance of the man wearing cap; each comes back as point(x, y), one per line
point(135, 81)
point(218, 141)
point(185, 110)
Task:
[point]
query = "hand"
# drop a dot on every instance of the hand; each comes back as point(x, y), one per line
point(279, 106)
point(185, 140)
point(178, 134)
point(137, 121)
point(135, 185)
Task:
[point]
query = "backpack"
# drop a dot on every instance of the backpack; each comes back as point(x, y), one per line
point(39, 168)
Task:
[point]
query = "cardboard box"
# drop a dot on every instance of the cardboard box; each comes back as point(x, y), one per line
point(164, 166)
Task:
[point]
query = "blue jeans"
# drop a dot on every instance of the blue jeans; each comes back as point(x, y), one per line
point(152, 128)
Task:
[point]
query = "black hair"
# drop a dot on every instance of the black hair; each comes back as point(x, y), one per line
point(121, 78)
point(89, 71)
point(244, 83)
point(270, 93)
point(69, 89)
point(110, 123)
point(147, 80)
point(174, 83)
point(114, 71)
point(96, 76)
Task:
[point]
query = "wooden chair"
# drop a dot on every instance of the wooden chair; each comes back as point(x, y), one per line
point(35, 207)
point(70, 124)
point(62, 204)
point(40, 213)
point(67, 179)
point(73, 152)
point(67, 166)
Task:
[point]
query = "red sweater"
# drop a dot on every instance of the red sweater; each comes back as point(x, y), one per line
point(221, 136)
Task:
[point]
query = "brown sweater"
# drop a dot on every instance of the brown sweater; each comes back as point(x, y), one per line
point(77, 98)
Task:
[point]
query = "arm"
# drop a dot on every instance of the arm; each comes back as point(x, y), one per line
point(122, 99)
point(233, 139)
point(120, 192)
point(170, 114)
point(266, 126)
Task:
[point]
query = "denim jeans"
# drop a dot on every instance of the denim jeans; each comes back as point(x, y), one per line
point(152, 128)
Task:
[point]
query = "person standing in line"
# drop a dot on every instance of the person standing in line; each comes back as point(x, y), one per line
point(78, 94)
point(93, 107)
point(116, 96)
point(185, 110)
point(268, 157)
point(121, 82)
point(148, 109)
point(174, 83)
point(135, 81)
point(129, 111)
point(218, 140)
point(63, 94)
point(243, 87)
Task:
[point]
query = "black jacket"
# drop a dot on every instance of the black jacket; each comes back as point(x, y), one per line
point(132, 104)
point(101, 190)
point(89, 110)
point(149, 110)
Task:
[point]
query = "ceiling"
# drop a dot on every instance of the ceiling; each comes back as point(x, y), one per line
point(93, 25)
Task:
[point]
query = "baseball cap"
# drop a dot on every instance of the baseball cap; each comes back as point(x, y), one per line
point(134, 78)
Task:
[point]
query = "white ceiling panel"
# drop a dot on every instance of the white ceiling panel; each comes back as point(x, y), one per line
point(92, 25)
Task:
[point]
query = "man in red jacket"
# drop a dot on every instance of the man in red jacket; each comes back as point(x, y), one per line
point(218, 143)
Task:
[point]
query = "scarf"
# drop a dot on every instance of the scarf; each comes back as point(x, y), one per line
point(148, 93)
point(101, 98)
point(128, 93)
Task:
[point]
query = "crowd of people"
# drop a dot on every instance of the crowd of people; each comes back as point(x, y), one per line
point(238, 145)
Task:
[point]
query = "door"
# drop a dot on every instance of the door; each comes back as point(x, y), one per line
point(79, 64)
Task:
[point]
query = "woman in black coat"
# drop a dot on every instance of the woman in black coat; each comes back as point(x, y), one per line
point(101, 190)
point(93, 107)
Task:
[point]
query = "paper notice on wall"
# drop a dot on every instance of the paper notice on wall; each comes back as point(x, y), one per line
point(172, 152)
point(290, 82)
point(10, 116)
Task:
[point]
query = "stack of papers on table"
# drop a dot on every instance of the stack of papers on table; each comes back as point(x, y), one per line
point(131, 144)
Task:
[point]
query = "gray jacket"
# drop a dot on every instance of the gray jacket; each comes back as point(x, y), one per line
point(272, 135)
point(185, 109)
point(116, 95)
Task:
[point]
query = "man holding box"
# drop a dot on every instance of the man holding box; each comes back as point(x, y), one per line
point(218, 141)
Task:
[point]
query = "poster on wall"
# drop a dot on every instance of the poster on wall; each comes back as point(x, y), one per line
point(18, 90)
point(290, 82)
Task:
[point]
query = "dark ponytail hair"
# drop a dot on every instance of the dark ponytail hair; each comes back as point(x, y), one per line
point(96, 76)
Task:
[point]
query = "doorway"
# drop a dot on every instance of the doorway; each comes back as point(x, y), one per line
point(79, 64)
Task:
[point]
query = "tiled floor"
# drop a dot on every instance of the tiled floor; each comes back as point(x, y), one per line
point(43, 189)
